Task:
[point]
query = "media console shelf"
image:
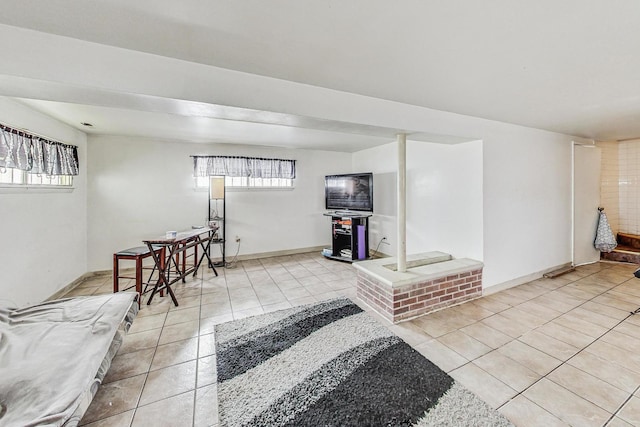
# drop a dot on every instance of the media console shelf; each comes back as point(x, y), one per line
point(349, 236)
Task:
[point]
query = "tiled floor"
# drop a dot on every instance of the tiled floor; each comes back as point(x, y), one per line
point(562, 351)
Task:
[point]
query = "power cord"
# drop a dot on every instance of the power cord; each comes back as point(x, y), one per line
point(375, 253)
point(232, 263)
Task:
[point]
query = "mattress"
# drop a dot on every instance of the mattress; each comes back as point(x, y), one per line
point(54, 355)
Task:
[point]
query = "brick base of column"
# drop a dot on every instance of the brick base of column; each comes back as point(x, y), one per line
point(420, 297)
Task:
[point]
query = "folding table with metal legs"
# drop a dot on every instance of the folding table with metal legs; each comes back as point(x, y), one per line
point(183, 241)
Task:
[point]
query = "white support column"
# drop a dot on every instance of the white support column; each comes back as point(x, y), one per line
point(401, 139)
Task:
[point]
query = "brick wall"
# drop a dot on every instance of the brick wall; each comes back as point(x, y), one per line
point(416, 299)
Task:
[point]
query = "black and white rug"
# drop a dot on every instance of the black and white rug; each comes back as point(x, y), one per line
point(331, 364)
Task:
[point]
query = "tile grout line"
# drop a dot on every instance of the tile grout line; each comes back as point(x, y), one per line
point(510, 307)
point(135, 409)
point(195, 386)
point(617, 411)
point(155, 350)
point(562, 314)
point(574, 355)
point(565, 362)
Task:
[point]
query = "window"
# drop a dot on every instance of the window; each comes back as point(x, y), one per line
point(29, 161)
point(12, 176)
point(247, 182)
point(245, 172)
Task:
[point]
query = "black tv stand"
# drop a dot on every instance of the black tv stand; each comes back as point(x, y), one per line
point(349, 236)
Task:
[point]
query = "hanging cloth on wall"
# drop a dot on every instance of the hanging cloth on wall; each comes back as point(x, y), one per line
point(31, 153)
point(605, 240)
point(237, 166)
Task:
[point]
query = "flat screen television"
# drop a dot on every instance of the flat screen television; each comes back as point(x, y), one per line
point(349, 192)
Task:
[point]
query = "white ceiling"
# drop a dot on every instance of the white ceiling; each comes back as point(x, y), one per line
point(570, 66)
point(118, 121)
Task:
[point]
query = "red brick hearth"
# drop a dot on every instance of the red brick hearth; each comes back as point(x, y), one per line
point(422, 289)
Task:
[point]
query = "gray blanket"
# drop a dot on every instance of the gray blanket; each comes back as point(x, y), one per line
point(53, 356)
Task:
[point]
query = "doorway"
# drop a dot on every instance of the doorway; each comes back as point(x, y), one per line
point(586, 162)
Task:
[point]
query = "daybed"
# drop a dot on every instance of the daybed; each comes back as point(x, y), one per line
point(54, 355)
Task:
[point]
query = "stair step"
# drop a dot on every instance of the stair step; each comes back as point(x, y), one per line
point(628, 240)
point(626, 249)
point(622, 253)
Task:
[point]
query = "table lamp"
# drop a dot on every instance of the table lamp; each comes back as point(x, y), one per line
point(216, 192)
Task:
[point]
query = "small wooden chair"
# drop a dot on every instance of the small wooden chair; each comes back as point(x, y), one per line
point(137, 254)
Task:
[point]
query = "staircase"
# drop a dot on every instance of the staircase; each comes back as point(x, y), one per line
point(628, 249)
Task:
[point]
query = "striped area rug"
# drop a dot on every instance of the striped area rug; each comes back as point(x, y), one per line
point(331, 364)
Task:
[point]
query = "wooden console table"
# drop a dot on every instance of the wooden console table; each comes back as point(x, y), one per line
point(183, 241)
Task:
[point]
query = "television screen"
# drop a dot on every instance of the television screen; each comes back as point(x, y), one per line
point(349, 192)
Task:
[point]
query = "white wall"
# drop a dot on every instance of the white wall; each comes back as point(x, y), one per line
point(505, 201)
point(140, 187)
point(587, 162)
point(512, 210)
point(43, 234)
point(444, 197)
point(527, 202)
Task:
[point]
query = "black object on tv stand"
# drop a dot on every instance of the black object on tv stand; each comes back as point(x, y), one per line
point(349, 231)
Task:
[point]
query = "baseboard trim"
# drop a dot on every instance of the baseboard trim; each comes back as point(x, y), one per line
point(521, 280)
point(260, 255)
point(71, 286)
point(92, 274)
point(374, 255)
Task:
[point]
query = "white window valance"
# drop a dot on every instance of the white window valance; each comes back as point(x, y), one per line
point(34, 154)
point(235, 166)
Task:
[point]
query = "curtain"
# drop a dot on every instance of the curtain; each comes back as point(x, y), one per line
point(235, 166)
point(15, 150)
point(21, 150)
